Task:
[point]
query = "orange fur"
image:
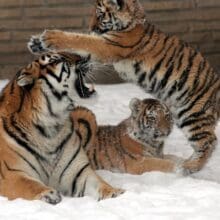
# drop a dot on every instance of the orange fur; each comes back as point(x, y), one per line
point(112, 148)
point(40, 150)
point(163, 65)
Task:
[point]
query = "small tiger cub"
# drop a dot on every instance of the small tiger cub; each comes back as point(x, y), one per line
point(41, 152)
point(135, 145)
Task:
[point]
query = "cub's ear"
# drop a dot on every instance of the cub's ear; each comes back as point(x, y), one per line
point(117, 3)
point(135, 105)
point(24, 79)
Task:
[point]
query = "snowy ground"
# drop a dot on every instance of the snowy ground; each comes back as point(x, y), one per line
point(150, 196)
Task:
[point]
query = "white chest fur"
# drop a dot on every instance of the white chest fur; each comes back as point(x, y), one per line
point(125, 69)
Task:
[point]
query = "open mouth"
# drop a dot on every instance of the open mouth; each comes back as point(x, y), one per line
point(82, 89)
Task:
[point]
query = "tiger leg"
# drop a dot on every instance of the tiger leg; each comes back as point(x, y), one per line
point(17, 184)
point(202, 138)
point(147, 164)
point(92, 45)
point(88, 183)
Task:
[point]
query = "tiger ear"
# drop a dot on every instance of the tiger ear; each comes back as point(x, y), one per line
point(117, 3)
point(135, 105)
point(24, 79)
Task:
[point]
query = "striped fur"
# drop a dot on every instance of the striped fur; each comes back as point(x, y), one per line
point(162, 65)
point(41, 153)
point(135, 145)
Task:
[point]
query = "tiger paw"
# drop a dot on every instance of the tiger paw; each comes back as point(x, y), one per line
point(36, 46)
point(52, 197)
point(192, 165)
point(48, 40)
point(109, 192)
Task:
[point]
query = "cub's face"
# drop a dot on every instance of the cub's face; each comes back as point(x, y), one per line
point(58, 78)
point(115, 15)
point(150, 120)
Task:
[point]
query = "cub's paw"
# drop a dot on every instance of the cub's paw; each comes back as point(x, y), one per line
point(36, 46)
point(191, 166)
point(109, 192)
point(52, 196)
point(48, 40)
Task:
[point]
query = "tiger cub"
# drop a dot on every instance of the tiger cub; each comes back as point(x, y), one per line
point(162, 65)
point(41, 154)
point(135, 145)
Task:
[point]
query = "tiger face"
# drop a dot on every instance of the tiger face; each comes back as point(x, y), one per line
point(116, 15)
point(150, 120)
point(57, 79)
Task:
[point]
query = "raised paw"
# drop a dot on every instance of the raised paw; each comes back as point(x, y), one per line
point(109, 192)
point(52, 196)
point(36, 46)
point(48, 40)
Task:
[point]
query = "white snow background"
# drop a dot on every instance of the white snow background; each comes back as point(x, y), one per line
point(153, 195)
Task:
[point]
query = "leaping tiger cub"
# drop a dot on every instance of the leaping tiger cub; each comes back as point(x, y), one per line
point(161, 64)
point(133, 146)
point(41, 153)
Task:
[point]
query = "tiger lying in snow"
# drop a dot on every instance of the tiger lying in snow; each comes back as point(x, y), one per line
point(41, 152)
point(133, 146)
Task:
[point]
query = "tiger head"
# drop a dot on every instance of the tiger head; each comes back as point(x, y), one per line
point(55, 81)
point(116, 15)
point(150, 120)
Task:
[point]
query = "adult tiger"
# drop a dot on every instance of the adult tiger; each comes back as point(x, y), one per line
point(133, 146)
point(41, 153)
point(163, 65)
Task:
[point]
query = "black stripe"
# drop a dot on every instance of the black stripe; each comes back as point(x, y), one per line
point(28, 162)
point(156, 68)
point(182, 94)
point(115, 43)
point(1, 172)
point(196, 81)
point(201, 88)
point(69, 163)
point(82, 193)
point(12, 87)
point(180, 60)
point(95, 159)
point(200, 136)
point(137, 67)
point(77, 177)
point(58, 95)
point(166, 77)
point(172, 90)
point(198, 127)
point(152, 86)
point(141, 78)
point(185, 74)
point(206, 89)
point(41, 130)
point(11, 169)
point(163, 48)
point(171, 58)
point(189, 122)
point(49, 106)
point(154, 44)
point(21, 142)
point(89, 131)
point(159, 63)
point(64, 141)
point(22, 97)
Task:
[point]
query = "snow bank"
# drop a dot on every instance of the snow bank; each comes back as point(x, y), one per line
point(153, 195)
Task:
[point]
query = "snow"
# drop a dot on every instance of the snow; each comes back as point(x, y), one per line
point(153, 195)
